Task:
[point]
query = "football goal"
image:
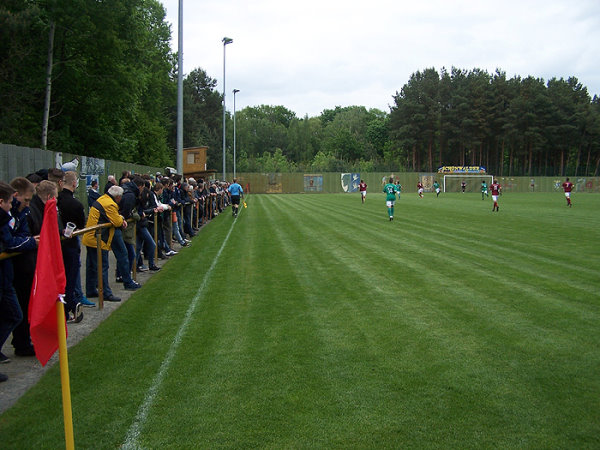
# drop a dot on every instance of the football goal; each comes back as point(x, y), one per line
point(453, 183)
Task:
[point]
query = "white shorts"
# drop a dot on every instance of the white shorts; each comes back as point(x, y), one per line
point(421, 191)
point(437, 190)
point(567, 194)
point(390, 203)
point(363, 193)
point(495, 198)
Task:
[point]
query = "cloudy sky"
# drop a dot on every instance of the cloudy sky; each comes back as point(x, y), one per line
point(315, 54)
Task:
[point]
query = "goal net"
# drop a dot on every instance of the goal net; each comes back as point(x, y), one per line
point(453, 183)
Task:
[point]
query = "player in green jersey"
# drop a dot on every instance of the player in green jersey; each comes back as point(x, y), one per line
point(390, 197)
point(484, 189)
point(436, 186)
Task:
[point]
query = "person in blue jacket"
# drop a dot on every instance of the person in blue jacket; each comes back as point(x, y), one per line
point(10, 311)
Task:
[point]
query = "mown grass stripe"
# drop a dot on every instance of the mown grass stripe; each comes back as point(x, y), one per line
point(132, 437)
point(336, 343)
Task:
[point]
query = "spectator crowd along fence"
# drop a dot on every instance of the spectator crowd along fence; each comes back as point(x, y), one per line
point(138, 217)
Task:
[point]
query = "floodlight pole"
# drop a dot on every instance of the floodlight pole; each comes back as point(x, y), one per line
point(235, 91)
point(180, 91)
point(226, 41)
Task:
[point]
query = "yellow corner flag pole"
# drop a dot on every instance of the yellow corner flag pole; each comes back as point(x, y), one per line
point(64, 376)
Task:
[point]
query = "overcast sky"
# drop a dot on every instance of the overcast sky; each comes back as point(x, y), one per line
point(313, 55)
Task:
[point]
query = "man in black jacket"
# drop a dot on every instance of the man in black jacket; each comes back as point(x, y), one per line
point(128, 209)
point(72, 211)
point(119, 248)
point(110, 182)
point(93, 193)
point(145, 240)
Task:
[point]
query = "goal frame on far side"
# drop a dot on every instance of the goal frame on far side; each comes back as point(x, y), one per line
point(490, 178)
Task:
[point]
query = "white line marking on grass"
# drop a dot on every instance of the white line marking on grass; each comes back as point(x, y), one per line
point(131, 440)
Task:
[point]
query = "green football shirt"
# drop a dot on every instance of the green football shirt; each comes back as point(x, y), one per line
point(390, 191)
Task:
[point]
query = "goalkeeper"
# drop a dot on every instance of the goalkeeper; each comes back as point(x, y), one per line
point(390, 197)
point(484, 189)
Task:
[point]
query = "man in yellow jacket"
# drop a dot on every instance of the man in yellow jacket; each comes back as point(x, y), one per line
point(104, 210)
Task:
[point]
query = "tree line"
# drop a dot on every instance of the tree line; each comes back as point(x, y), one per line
point(106, 68)
point(105, 75)
point(516, 126)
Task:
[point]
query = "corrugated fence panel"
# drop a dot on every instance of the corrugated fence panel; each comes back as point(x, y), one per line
point(4, 175)
point(20, 161)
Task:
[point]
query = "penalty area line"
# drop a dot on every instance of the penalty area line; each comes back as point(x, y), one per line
point(132, 437)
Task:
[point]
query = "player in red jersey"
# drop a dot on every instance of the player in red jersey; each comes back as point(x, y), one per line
point(362, 187)
point(496, 188)
point(568, 186)
point(420, 189)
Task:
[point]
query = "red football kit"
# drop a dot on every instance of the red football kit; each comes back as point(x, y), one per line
point(568, 186)
point(495, 187)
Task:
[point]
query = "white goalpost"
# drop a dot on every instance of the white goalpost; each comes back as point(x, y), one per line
point(452, 183)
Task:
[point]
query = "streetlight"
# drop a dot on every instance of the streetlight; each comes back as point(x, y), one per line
point(226, 41)
point(235, 91)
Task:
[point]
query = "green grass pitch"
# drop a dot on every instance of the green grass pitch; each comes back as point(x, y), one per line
point(315, 322)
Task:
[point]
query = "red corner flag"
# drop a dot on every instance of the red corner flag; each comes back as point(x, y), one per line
point(48, 285)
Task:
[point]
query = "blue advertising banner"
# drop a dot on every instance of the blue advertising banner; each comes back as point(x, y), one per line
point(313, 183)
point(350, 181)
